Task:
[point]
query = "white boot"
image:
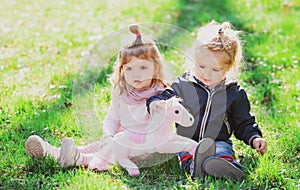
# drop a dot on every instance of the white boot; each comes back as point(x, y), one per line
point(69, 153)
point(37, 147)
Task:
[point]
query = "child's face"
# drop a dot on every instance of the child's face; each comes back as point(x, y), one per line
point(139, 73)
point(210, 67)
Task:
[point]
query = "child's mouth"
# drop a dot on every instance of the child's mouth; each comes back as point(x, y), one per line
point(206, 80)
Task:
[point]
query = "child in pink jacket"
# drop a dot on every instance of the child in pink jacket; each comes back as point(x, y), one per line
point(137, 76)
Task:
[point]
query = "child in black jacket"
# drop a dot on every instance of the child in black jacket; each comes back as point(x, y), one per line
point(219, 105)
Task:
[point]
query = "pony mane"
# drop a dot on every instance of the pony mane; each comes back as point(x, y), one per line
point(173, 100)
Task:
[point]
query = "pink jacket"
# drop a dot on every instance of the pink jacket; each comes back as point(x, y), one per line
point(129, 112)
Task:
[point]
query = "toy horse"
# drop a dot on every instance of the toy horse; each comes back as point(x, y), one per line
point(158, 136)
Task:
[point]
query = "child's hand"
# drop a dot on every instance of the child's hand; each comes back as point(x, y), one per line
point(260, 145)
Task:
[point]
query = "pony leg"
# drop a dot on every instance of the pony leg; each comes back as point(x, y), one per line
point(177, 144)
point(131, 167)
point(122, 156)
point(99, 164)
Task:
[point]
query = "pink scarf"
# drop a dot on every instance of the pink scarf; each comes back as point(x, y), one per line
point(138, 96)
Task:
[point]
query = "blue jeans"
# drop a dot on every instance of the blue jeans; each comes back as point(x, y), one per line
point(225, 148)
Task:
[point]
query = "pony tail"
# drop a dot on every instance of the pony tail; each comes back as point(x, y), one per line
point(136, 30)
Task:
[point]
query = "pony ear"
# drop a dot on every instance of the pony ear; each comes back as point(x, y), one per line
point(158, 106)
point(161, 105)
point(158, 110)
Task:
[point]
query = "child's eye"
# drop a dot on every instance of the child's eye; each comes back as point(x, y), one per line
point(143, 68)
point(217, 69)
point(201, 66)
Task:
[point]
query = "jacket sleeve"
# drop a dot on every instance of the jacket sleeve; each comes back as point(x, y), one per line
point(112, 119)
point(243, 123)
point(165, 95)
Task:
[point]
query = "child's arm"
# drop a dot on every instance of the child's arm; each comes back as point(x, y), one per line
point(243, 123)
point(112, 121)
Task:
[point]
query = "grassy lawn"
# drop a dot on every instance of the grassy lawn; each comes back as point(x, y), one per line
point(47, 89)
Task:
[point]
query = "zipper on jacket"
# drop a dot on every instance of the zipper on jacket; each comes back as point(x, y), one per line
point(206, 113)
point(227, 124)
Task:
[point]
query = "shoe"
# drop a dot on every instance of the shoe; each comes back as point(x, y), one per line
point(206, 148)
point(37, 147)
point(69, 153)
point(185, 160)
point(219, 167)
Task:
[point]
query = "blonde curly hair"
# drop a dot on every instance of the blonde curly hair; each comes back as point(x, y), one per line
point(221, 38)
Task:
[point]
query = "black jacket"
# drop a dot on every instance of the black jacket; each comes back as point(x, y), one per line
point(218, 112)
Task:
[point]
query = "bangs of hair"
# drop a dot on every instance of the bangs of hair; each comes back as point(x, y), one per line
point(146, 51)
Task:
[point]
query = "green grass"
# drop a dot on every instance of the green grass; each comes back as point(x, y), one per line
point(42, 48)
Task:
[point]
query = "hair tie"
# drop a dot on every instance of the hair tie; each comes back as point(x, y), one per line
point(221, 31)
point(136, 30)
point(223, 27)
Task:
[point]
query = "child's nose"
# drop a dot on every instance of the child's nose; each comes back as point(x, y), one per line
point(207, 73)
point(136, 74)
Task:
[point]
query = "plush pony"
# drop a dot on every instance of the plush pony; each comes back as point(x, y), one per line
point(158, 136)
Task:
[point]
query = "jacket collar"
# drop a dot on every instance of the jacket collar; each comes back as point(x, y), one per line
point(222, 85)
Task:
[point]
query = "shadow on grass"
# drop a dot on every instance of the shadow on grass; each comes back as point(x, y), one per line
point(164, 176)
